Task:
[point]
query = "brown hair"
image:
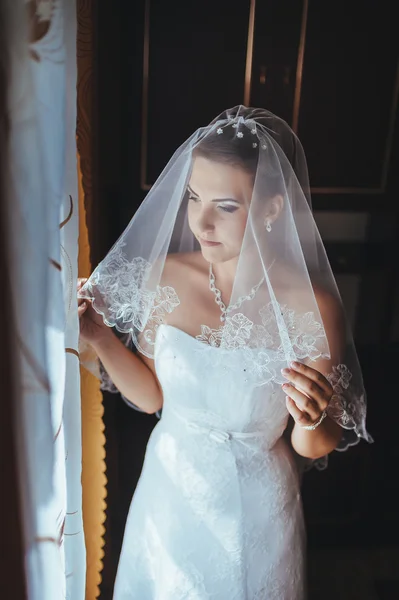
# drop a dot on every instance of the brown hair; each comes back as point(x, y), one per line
point(228, 148)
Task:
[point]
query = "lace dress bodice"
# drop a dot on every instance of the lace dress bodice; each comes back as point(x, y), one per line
point(217, 512)
point(221, 401)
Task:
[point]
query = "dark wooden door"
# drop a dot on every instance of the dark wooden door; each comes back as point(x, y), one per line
point(331, 70)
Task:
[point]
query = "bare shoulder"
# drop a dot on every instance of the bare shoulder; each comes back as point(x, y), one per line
point(330, 307)
point(334, 322)
point(294, 294)
point(189, 259)
point(184, 266)
point(294, 291)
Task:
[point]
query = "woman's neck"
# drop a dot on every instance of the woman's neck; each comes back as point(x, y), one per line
point(225, 272)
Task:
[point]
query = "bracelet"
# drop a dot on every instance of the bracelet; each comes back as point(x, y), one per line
point(313, 427)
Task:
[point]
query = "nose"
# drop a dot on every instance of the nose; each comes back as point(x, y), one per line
point(205, 223)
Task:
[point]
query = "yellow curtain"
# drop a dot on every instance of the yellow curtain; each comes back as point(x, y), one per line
point(93, 440)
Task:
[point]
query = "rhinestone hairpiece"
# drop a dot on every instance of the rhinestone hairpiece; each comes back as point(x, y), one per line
point(240, 134)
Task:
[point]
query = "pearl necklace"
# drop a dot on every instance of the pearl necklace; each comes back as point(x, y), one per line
point(218, 294)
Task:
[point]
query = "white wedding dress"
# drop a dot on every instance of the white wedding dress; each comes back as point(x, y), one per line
point(217, 512)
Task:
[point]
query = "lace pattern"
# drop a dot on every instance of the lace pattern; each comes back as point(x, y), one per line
point(139, 311)
point(134, 308)
point(346, 407)
point(262, 346)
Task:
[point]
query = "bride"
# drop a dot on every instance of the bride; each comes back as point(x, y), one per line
point(232, 325)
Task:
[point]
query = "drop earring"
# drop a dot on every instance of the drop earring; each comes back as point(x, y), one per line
point(268, 225)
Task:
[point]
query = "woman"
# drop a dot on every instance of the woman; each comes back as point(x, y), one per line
point(222, 286)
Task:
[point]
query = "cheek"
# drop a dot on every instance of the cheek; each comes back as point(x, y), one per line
point(190, 214)
point(234, 228)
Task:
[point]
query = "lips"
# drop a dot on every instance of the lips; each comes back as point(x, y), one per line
point(208, 242)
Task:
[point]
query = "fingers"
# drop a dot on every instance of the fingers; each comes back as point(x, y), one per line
point(298, 416)
point(82, 301)
point(82, 307)
point(311, 383)
point(303, 402)
point(299, 369)
point(80, 282)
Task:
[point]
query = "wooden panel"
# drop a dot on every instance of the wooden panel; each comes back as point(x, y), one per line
point(196, 68)
point(275, 57)
point(342, 226)
point(348, 286)
point(348, 257)
point(395, 326)
point(349, 94)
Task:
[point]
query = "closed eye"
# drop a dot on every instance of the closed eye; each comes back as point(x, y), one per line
point(192, 197)
point(229, 208)
point(228, 205)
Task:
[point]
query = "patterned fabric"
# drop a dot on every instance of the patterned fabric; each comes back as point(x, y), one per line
point(260, 346)
point(44, 243)
point(217, 512)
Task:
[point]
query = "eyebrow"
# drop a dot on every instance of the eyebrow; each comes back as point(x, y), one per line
point(190, 189)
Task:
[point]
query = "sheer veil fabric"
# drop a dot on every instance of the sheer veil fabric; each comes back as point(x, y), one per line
point(273, 316)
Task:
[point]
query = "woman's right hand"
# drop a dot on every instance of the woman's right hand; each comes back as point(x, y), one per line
point(92, 326)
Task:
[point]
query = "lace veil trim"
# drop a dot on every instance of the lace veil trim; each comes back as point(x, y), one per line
point(261, 345)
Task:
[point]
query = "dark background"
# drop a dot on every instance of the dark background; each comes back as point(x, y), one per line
point(342, 99)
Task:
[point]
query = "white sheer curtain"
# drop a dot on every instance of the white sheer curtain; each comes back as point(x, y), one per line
point(43, 220)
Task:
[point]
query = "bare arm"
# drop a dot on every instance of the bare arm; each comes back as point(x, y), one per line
point(133, 378)
point(317, 443)
point(312, 391)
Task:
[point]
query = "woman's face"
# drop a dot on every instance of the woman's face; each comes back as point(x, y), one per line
point(219, 197)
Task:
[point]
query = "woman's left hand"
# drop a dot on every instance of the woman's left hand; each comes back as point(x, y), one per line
point(308, 393)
